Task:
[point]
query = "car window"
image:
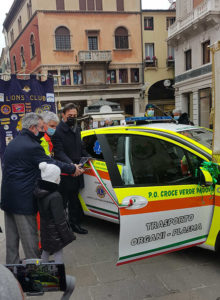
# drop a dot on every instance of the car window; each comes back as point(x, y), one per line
point(150, 161)
point(200, 135)
point(93, 147)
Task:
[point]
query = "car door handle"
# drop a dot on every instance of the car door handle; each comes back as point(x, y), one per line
point(134, 202)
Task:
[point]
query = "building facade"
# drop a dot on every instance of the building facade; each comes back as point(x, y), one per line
point(197, 27)
point(158, 58)
point(91, 47)
point(5, 61)
point(4, 64)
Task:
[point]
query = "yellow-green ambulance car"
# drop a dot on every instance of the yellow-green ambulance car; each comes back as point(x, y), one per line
point(149, 179)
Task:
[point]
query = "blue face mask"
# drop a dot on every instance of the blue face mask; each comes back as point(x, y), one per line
point(176, 118)
point(50, 131)
point(150, 113)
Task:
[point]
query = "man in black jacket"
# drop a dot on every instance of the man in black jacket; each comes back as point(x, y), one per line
point(20, 172)
point(69, 148)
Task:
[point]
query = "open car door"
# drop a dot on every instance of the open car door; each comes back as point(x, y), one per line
point(98, 197)
point(161, 205)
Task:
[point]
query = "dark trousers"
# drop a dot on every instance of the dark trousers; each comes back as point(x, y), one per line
point(69, 189)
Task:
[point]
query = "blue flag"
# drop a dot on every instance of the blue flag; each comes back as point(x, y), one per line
point(18, 97)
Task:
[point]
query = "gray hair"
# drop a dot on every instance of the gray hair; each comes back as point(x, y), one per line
point(177, 111)
point(50, 116)
point(30, 119)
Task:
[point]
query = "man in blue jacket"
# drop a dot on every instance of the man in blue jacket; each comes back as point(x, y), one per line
point(19, 174)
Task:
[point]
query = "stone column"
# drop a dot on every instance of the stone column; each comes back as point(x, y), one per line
point(184, 103)
point(129, 75)
point(142, 106)
point(196, 107)
point(71, 76)
point(59, 77)
point(136, 108)
point(178, 100)
point(117, 75)
point(181, 102)
point(146, 97)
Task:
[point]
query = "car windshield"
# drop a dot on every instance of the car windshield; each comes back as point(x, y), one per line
point(200, 135)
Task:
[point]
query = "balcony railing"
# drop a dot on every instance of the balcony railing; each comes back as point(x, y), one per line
point(94, 56)
point(151, 63)
point(200, 11)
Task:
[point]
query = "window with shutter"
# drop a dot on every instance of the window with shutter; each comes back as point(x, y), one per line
point(120, 5)
point(98, 4)
point(91, 4)
point(82, 4)
point(60, 4)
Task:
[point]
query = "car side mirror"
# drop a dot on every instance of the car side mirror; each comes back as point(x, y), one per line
point(205, 177)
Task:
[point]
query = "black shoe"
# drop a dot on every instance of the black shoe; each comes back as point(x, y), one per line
point(78, 229)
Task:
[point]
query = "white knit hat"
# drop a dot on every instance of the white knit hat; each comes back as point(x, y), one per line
point(50, 172)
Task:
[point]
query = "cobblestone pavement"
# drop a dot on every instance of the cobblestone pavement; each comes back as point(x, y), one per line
point(192, 274)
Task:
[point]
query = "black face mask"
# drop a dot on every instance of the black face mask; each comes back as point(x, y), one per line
point(71, 121)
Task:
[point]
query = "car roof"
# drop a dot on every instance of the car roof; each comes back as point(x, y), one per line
point(157, 126)
point(170, 126)
point(167, 127)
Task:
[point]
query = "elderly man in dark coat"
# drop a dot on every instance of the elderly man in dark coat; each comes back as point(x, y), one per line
point(20, 172)
point(69, 148)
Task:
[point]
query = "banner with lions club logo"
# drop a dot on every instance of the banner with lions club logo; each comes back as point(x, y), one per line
point(18, 97)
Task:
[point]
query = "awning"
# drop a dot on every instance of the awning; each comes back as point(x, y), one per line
point(113, 117)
